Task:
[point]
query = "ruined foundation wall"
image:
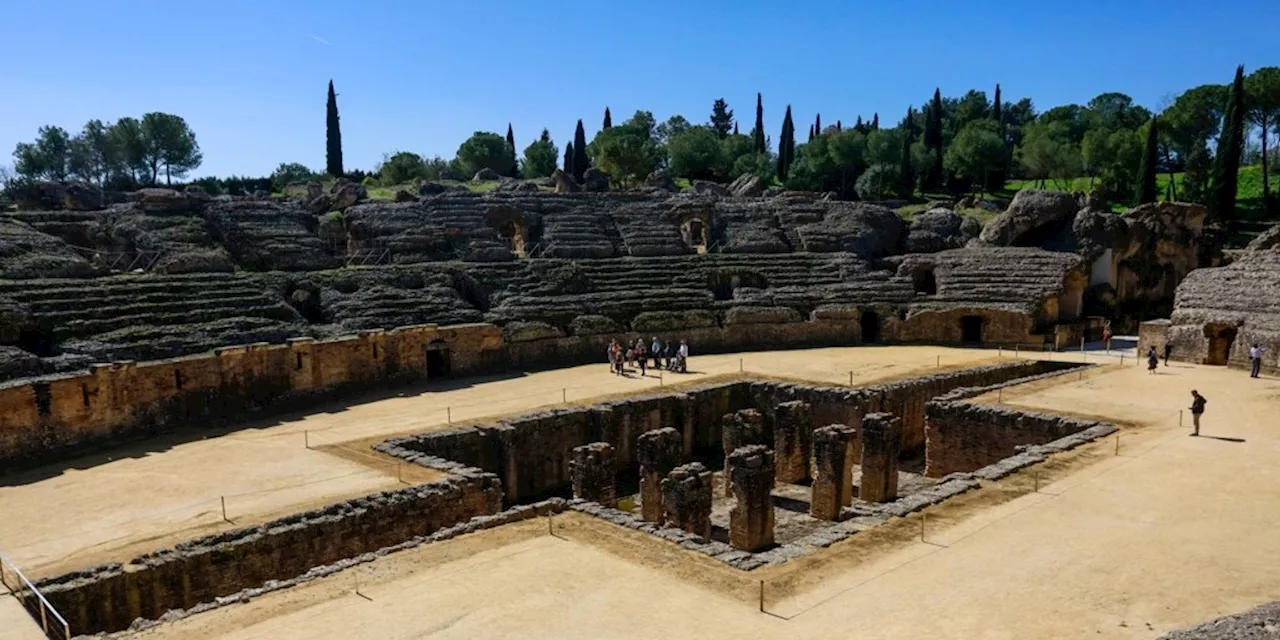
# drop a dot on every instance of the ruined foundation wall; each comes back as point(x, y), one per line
point(49, 418)
point(109, 598)
point(964, 437)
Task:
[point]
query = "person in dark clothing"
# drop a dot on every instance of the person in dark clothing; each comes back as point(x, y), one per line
point(1152, 360)
point(1197, 409)
point(1168, 351)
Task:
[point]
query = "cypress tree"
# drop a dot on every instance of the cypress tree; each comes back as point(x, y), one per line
point(514, 170)
point(817, 125)
point(906, 169)
point(568, 159)
point(735, 129)
point(786, 145)
point(998, 175)
point(810, 133)
point(1146, 191)
point(608, 119)
point(858, 126)
point(933, 142)
point(332, 136)
point(580, 161)
point(839, 127)
point(1226, 168)
point(875, 121)
point(759, 130)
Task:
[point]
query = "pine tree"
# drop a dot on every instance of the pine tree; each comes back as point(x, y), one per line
point(1146, 191)
point(759, 130)
point(722, 118)
point(514, 170)
point(786, 146)
point(1226, 168)
point(332, 136)
point(568, 159)
point(875, 121)
point(608, 119)
point(580, 161)
point(998, 175)
point(933, 142)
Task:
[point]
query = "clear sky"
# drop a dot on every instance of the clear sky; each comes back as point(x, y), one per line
point(250, 76)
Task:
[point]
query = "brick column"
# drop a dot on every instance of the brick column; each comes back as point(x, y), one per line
point(833, 477)
point(658, 452)
point(739, 429)
point(686, 497)
point(792, 426)
point(592, 472)
point(751, 518)
point(881, 438)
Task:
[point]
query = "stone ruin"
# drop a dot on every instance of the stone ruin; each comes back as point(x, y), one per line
point(751, 519)
point(833, 471)
point(686, 499)
point(658, 452)
point(594, 475)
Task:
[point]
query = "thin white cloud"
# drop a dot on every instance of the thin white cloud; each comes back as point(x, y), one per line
point(318, 39)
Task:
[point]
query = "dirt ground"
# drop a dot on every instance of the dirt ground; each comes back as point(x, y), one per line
point(134, 499)
point(1162, 532)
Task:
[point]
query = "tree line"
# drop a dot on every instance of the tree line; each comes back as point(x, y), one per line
point(124, 154)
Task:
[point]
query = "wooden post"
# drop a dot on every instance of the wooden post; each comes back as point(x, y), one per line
point(449, 414)
point(564, 395)
point(224, 509)
point(851, 378)
point(739, 365)
point(1017, 351)
point(306, 438)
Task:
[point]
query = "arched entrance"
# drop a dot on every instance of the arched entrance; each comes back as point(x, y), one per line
point(870, 322)
point(437, 359)
point(971, 329)
point(923, 281)
point(1221, 337)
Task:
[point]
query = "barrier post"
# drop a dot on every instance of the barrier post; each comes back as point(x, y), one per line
point(306, 438)
point(1017, 351)
point(224, 509)
point(739, 365)
point(564, 395)
point(448, 411)
point(851, 378)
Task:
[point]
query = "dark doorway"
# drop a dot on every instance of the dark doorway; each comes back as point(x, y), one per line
point(437, 359)
point(1221, 337)
point(923, 281)
point(971, 329)
point(870, 327)
point(38, 341)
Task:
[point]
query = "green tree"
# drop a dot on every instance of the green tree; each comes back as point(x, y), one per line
point(93, 157)
point(130, 147)
point(878, 182)
point(169, 145)
point(884, 146)
point(721, 118)
point(512, 171)
point(1197, 177)
point(1146, 191)
point(933, 142)
point(1000, 174)
point(484, 150)
point(1262, 88)
point(400, 167)
point(630, 151)
point(975, 151)
point(580, 161)
point(697, 154)
point(1226, 169)
point(674, 126)
point(1112, 111)
point(817, 124)
point(1111, 159)
point(332, 136)
point(541, 156)
point(786, 145)
point(1047, 153)
point(568, 159)
point(906, 169)
point(1072, 118)
point(758, 132)
point(49, 157)
point(290, 172)
point(608, 119)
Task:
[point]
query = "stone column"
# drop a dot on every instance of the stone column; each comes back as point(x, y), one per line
point(658, 452)
point(751, 518)
point(739, 429)
point(792, 427)
point(881, 438)
point(833, 476)
point(592, 472)
point(686, 498)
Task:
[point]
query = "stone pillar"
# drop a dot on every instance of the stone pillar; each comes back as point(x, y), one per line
point(792, 428)
point(592, 473)
point(881, 438)
point(686, 497)
point(833, 473)
point(745, 427)
point(658, 452)
point(751, 518)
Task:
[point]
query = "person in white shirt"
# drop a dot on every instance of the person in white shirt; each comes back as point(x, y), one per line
point(1255, 360)
point(684, 357)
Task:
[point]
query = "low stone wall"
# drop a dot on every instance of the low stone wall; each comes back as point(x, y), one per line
point(50, 418)
point(1154, 333)
point(963, 437)
point(109, 598)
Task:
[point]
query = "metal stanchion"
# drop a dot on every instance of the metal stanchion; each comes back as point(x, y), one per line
point(224, 509)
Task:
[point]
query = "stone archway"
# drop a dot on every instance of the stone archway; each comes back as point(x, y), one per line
point(509, 225)
point(1221, 337)
point(438, 364)
point(695, 228)
point(870, 325)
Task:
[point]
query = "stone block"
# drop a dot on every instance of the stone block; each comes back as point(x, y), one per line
point(593, 474)
point(658, 452)
point(751, 518)
point(739, 429)
point(833, 473)
point(881, 439)
point(686, 499)
point(792, 431)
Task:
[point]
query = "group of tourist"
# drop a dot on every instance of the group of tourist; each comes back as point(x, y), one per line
point(665, 355)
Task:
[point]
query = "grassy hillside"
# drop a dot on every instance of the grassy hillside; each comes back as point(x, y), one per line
point(1248, 191)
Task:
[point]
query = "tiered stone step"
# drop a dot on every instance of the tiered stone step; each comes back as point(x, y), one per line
point(77, 228)
point(28, 253)
point(268, 236)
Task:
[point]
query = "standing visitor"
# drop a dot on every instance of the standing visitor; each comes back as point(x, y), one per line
point(1152, 360)
point(1106, 336)
point(642, 358)
point(655, 350)
point(1197, 408)
point(684, 357)
point(1255, 360)
point(1168, 350)
point(609, 353)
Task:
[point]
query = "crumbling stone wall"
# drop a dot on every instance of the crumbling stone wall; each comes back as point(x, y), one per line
point(659, 451)
point(751, 518)
point(964, 437)
point(880, 442)
point(833, 471)
point(593, 474)
point(49, 418)
point(109, 598)
point(792, 430)
point(686, 499)
point(741, 428)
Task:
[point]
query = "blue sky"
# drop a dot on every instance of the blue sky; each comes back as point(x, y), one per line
point(250, 77)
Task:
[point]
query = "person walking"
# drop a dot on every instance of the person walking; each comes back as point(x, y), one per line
point(1197, 409)
point(1152, 360)
point(1255, 360)
point(609, 352)
point(1168, 351)
point(1106, 336)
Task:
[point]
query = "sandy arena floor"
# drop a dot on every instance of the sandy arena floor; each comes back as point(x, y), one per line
point(1171, 531)
point(138, 498)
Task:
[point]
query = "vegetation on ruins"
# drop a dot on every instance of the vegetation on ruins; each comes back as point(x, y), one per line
point(540, 158)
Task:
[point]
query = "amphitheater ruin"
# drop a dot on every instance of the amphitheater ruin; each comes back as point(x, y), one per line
point(236, 417)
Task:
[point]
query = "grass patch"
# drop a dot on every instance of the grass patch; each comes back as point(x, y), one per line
point(1248, 189)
